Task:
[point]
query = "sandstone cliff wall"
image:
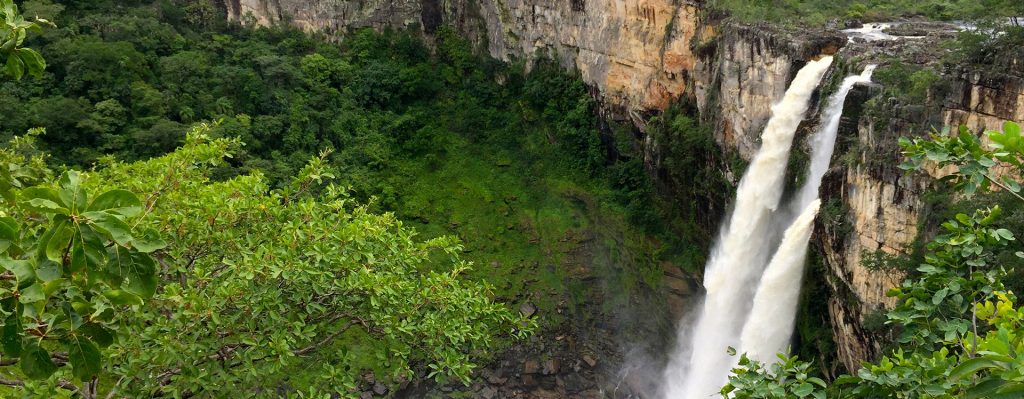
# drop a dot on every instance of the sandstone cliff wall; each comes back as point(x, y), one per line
point(635, 52)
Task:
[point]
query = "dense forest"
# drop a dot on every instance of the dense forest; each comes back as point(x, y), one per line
point(197, 208)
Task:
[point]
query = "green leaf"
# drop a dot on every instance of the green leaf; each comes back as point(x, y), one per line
point(803, 390)
point(1013, 390)
point(120, 297)
point(71, 191)
point(36, 362)
point(149, 242)
point(112, 225)
point(15, 67)
point(939, 296)
point(1005, 234)
point(1010, 184)
point(43, 200)
point(98, 334)
point(22, 270)
point(10, 336)
point(48, 270)
point(31, 294)
point(121, 202)
point(59, 242)
point(34, 63)
point(8, 232)
point(84, 357)
point(141, 275)
point(79, 260)
point(970, 367)
point(984, 388)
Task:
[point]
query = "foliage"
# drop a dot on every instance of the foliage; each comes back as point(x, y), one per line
point(818, 12)
point(786, 378)
point(76, 262)
point(961, 333)
point(83, 260)
point(18, 60)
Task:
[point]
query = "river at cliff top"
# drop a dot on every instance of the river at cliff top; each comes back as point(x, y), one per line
point(881, 31)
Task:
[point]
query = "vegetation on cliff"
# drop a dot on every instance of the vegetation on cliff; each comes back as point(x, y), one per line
point(819, 12)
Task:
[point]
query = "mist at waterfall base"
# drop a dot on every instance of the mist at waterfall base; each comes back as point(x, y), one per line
point(733, 314)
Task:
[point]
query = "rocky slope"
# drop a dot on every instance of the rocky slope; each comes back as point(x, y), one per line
point(641, 56)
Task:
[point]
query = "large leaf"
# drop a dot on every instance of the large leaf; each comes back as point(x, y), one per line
point(33, 293)
point(59, 243)
point(98, 334)
point(48, 270)
point(36, 362)
point(121, 202)
point(149, 241)
point(984, 388)
point(133, 272)
point(10, 336)
point(110, 224)
point(120, 297)
point(970, 367)
point(43, 200)
point(15, 67)
point(72, 192)
point(84, 357)
point(34, 63)
point(22, 270)
point(8, 233)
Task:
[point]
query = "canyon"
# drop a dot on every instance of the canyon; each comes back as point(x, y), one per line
point(641, 57)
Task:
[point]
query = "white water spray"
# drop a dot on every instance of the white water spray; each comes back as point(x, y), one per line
point(699, 370)
point(824, 141)
point(770, 326)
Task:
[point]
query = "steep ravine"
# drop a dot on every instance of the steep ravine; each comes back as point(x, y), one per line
point(643, 57)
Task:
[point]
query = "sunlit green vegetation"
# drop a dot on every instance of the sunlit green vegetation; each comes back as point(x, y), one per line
point(810, 13)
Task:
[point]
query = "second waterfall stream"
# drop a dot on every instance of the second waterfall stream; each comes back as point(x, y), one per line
point(752, 281)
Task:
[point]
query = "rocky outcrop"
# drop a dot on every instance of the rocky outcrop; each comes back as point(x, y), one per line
point(883, 208)
point(636, 53)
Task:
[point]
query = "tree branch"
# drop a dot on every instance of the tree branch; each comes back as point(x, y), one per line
point(324, 341)
point(998, 183)
point(11, 383)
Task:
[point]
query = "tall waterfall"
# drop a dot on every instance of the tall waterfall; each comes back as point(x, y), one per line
point(770, 325)
point(741, 252)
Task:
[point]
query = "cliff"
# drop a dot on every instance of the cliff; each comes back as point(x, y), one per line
point(643, 55)
point(635, 53)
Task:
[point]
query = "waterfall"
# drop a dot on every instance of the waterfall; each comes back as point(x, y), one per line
point(741, 252)
point(823, 142)
point(770, 325)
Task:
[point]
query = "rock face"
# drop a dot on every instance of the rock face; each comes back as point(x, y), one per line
point(884, 206)
point(634, 52)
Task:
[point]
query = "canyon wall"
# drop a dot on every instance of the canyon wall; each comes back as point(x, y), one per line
point(634, 52)
point(641, 55)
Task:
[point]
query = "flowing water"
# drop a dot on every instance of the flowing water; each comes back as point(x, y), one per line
point(741, 252)
point(770, 325)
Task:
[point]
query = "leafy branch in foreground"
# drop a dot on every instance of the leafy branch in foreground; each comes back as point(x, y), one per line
point(962, 335)
point(19, 60)
point(72, 262)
